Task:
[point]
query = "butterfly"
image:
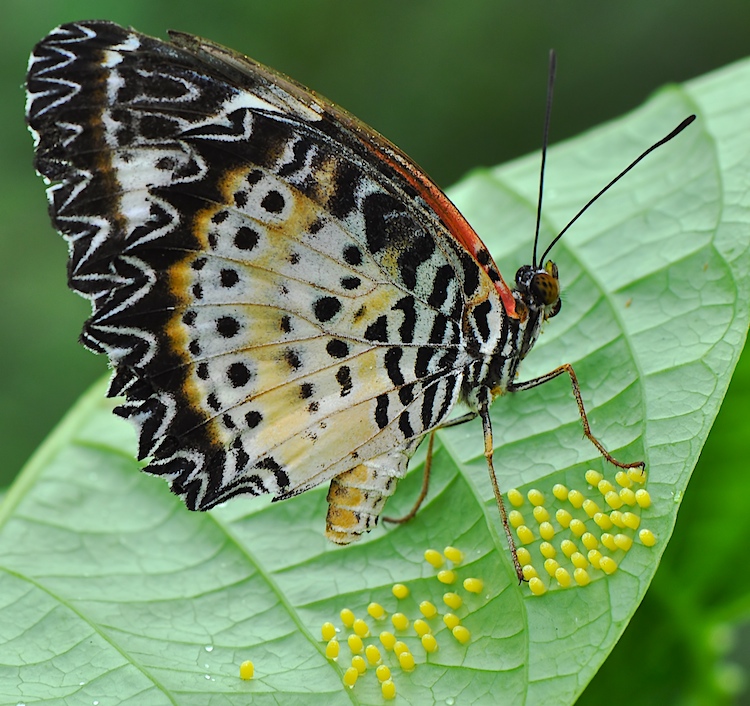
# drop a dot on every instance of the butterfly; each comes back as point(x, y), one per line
point(285, 298)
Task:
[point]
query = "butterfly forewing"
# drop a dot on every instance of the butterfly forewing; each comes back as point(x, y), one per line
point(279, 307)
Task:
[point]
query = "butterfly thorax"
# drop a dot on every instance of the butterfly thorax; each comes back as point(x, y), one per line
point(537, 298)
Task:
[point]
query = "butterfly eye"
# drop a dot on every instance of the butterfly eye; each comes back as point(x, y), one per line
point(545, 288)
point(555, 309)
point(523, 276)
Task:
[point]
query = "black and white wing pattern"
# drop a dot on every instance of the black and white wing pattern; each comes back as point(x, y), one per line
point(281, 293)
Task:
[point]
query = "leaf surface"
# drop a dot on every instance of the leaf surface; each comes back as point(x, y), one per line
point(111, 591)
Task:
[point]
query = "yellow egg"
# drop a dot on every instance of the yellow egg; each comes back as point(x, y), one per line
point(623, 542)
point(461, 634)
point(568, 548)
point(451, 620)
point(590, 507)
point(537, 587)
point(616, 517)
point(550, 566)
point(579, 561)
point(623, 479)
point(332, 649)
point(563, 577)
point(399, 648)
point(525, 535)
point(434, 557)
point(355, 644)
point(603, 521)
point(400, 621)
point(608, 565)
point(247, 670)
point(627, 496)
point(613, 499)
point(421, 627)
point(387, 639)
point(327, 631)
point(637, 475)
point(400, 591)
point(360, 627)
point(383, 673)
point(388, 689)
point(375, 610)
point(593, 477)
point(564, 518)
point(406, 660)
point(529, 572)
point(605, 487)
point(452, 600)
point(446, 576)
point(546, 531)
point(609, 541)
point(347, 617)
point(524, 556)
point(560, 492)
point(515, 518)
point(473, 585)
point(455, 555)
point(589, 540)
point(576, 498)
point(547, 550)
point(350, 676)
point(595, 557)
point(427, 609)
point(429, 643)
point(541, 514)
point(631, 520)
point(535, 497)
point(581, 577)
point(515, 498)
point(373, 654)
point(577, 527)
point(647, 537)
point(643, 498)
point(359, 664)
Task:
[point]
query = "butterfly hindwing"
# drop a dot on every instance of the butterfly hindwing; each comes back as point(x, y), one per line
point(278, 306)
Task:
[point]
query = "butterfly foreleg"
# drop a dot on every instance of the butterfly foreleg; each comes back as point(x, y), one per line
point(568, 368)
point(428, 467)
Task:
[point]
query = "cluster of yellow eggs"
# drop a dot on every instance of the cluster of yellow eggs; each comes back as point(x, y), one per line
point(367, 652)
point(588, 534)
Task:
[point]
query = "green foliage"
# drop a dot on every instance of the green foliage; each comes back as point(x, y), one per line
point(111, 591)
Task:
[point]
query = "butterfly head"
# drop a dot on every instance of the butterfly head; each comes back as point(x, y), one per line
point(537, 291)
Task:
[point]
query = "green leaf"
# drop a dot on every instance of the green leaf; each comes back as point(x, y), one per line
point(111, 591)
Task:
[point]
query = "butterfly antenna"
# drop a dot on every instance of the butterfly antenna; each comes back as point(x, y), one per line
point(545, 142)
point(664, 140)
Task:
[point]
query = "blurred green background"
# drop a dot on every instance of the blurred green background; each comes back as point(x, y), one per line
point(456, 85)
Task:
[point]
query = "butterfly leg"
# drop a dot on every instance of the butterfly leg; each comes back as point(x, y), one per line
point(568, 368)
point(484, 413)
point(427, 468)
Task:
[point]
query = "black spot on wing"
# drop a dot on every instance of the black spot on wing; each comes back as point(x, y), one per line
point(418, 251)
point(381, 411)
point(378, 330)
point(393, 365)
point(406, 329)
point(325, 308)
point(344, 379)
point(480, 313)
point(443, 278)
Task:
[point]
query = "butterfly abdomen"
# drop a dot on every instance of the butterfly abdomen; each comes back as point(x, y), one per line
point(356, 498)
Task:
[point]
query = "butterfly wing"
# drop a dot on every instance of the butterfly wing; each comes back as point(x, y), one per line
point(279, 306)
